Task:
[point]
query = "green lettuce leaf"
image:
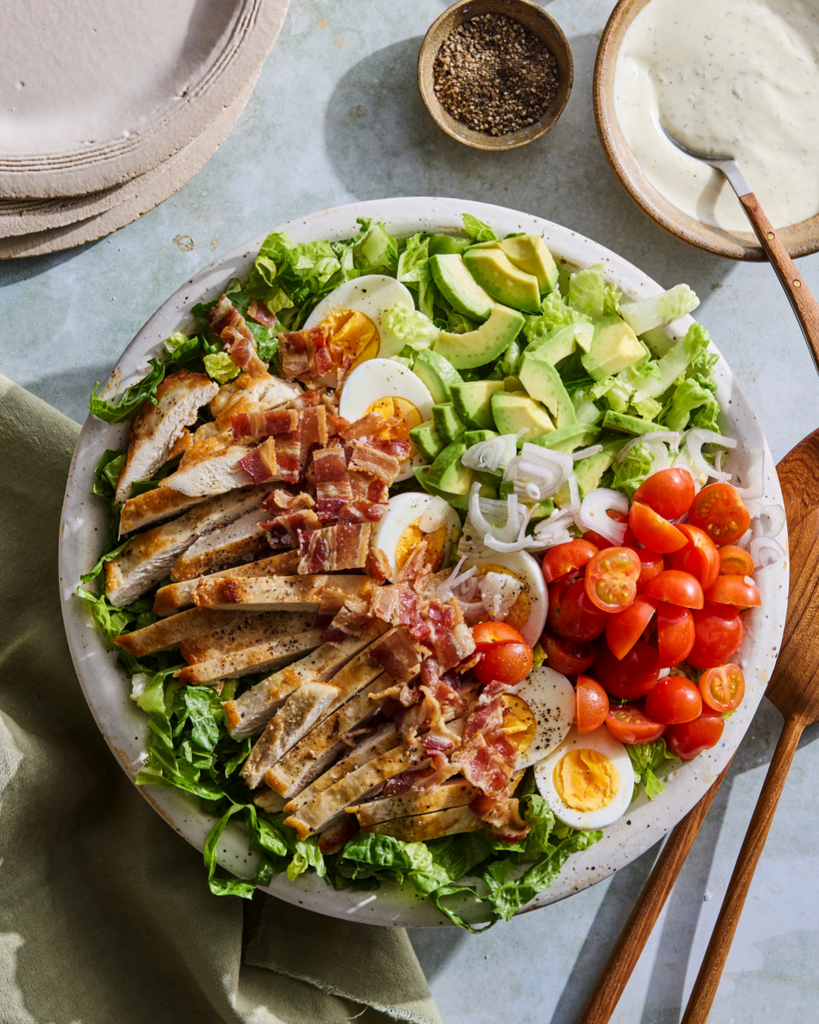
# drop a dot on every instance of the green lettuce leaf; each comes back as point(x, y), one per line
point(413, 271)
point(632, 471)
point(646, 758)
point(220, 367)
point(132, 399)
point(411, 327)
point(690, 397)
point(692, 349)
point(477, 230)
point(661, 309)
point(587, 291)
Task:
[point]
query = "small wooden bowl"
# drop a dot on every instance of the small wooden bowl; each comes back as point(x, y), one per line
point(800, 239)
point(537, 21)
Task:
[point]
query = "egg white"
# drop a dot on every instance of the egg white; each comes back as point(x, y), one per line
point(374, 295)
point(385, 378)
point(522, 565)
point(604, 743)
point(551, 698)
point(404, 510)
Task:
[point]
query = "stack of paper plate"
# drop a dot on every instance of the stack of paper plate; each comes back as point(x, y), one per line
point(107, 109)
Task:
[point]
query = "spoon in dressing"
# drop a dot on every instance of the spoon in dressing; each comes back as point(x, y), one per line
point(804, 305)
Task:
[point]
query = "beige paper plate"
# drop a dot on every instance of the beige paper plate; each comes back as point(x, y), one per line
point(127, 203)
point(111, 90)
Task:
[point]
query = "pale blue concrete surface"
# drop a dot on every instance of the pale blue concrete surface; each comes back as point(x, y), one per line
point(336, 117)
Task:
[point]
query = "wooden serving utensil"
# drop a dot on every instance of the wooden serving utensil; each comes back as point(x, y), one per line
point(791, 691)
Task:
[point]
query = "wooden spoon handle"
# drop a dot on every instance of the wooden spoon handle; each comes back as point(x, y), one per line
point(705, 987)
point(623, 959)
point(804, 305)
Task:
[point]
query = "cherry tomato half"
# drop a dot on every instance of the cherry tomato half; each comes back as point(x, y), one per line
point(734, 561)
point(720, 511)
point(718, 633)
point(656, 533)
point(673, 700)
point(629, 677)
point(628, 723)
point(675, 634)
point(624, 629)
point(700, 556)
point(652, 565)
point(669, 492)
point(629, 541)
point(579, 618)
point(592, 704)
point(676, 587)
point(722, 688)
point(505, 663)
point(734, 590)
point(611, 578)
point(563, 559)
point(566, 656)
point(488, 634)
point(691, 738)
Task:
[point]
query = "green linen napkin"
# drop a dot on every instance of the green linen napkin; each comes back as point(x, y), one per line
point(105, 914)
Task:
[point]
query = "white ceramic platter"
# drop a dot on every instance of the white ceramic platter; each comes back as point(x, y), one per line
point(123, 87)
point(84, 525)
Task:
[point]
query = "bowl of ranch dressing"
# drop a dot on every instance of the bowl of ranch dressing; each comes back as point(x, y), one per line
point(736, 78)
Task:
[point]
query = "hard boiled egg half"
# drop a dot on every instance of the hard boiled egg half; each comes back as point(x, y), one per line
point(411, 518)
point(538, 714)
point(389, 388)
point(588, 780)
point(531, 602)
point(355, 313)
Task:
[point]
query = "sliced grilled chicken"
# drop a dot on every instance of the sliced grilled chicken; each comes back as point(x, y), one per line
point(174, 596)
point(270, 801)
point(250, 394)
point(274, 593)
point(154, 506)
point(452, 793)
point(279, 737)
point(210, 466)
point(148, 558)
point(326, 808)
point(242, 541)
point(300, 712)
point(167, 632)
point(263, 657)
point(248, 630)
point(419, 827)
point(320, 747)
point(248, 714)
point(157, 428)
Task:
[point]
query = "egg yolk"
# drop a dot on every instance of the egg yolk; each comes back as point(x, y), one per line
point(412, 535)
point(586, 780)
point(519, 612)
point(519, 722)
point(352, 333)
point(403, 412)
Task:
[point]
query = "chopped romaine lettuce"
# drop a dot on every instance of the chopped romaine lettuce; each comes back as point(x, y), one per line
point(220, 367)
point(632, 471)
point(686, 351)
point(645, 759)
point(132, 399)
point(411, 327)
point(477, 230)
point(661, 309)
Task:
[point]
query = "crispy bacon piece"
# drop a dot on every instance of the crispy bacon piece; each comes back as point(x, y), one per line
point(367, 488)
point(377, 565)
point(229, 324)
point(346, 623)
point(312, 429)
point(342, 546)
point(281, 501)
point(249, 426)
point(370, 423)
point(362, 511)
point(288, 456)
point(399, 605)
point(502, 812)
point(398, 654)
point(450, 639)
point(261, 314)
point(415, 567)
point(330, 469)
point(304, 355)
point(260, 463)
point(374, 463)
point(392, 446)
point(438, 771)
point(284, 531)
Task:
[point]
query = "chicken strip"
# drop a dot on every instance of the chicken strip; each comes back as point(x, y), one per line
point(250, 394)
point(239, 542)
point(262, 657)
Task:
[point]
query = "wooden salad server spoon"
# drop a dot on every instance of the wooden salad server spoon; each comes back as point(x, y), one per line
point(791, 691)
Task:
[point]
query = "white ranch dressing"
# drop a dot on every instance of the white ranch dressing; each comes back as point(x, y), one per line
point(738, 79)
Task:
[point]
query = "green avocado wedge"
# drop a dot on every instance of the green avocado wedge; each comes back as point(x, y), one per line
point(495, 272)
point(487, 342)
point(459, 287)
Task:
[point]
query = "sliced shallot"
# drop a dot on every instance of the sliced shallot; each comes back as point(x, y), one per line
point(594, 509)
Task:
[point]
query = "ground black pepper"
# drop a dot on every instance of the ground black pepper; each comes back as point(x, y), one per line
point(494, 75)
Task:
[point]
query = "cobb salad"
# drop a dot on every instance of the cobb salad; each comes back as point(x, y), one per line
point(438, 575)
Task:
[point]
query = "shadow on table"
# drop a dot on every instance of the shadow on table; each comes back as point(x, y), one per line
point(375, 117)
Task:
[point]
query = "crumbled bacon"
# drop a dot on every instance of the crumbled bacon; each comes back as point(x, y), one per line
point(261, 314)
point(249, 426)
point(502, 812)
point(438, 771)
point(229, 324)
point(377, 565)
point(394, 446)
point(330, 469)
point(370, 423)
point(362, 511)
point(398, 654)
point(367, 488)
point(415, 566)
point(312, 428)
point(288, 456)
point(373, 462)
point(281, 500)
point(343, 546)
point(303, 355)
point(260, 463)
point(285, 530)
point(346, 623)
point(328, 510)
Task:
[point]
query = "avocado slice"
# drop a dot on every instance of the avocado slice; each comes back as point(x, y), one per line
point(614, 347)
point(459, 287)
point(515, 410)
point(495, 272)
point(473, 402)
point(568, 439)
point(427, 440)
point(629, 424)
point(448, 474)
point(590, 470)
point(447, 422)
point(442, 245)
point(556, 345)
point(530, 254)
point(460, 501)
point(437, 373)
point(542, 381)
point(483, 344)
point(478, 436)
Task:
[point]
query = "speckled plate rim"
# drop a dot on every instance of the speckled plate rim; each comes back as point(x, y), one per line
point(84, 525)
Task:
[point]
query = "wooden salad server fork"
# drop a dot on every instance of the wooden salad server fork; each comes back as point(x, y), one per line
point(791, 691)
